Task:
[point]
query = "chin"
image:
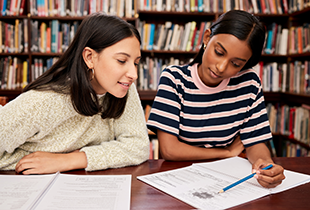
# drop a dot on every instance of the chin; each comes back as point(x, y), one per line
point(119, 95)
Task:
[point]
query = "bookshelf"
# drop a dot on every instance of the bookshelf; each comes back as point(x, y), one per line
point(181, 14)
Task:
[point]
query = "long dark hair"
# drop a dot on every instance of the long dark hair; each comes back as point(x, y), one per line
point(70, 75)
point(242, 25)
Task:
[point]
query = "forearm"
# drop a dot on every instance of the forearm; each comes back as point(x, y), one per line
point(172, 149)
point(258, 151)
point(183, 152)
point(47, 162)
point(75, 160)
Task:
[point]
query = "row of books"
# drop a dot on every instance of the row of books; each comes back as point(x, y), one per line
point(53, 36)
point(299, 37)
point(292, 77)
point(290, 121)
point(253, 6)
point(13, 37)
point(129, 8)
point(283, 41)
point(298, 5)
point(294, 150)
point(283, 77)
point(150, 70)
point(121, 8)
point(170, 36)
point(40, 65)
point(12, 7)
point(16, 74)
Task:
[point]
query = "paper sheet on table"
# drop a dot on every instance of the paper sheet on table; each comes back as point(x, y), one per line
point(88, 192)
point(62, 191)
point(199, 184)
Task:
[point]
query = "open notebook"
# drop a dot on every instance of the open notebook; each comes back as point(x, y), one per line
point(199, 184)
point(65, 191)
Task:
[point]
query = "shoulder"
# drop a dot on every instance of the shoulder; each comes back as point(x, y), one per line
point(49, 96)
point(246, 78)
point(177, 71)
point(177, 76)
point(44, 100)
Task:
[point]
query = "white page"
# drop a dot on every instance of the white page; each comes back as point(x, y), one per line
point(21, 191)
point(199, 187)
point(239, 167)
point(88, 192)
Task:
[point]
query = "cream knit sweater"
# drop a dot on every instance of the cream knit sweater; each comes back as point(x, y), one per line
point(47, 121)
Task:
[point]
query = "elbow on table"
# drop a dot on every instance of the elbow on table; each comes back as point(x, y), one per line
point(169, 154)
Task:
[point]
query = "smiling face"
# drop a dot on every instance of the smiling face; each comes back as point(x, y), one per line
point(224, 57)
point(115, 67)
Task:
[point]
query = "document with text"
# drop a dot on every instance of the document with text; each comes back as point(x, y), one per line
point(199, 184)
point(63, 191)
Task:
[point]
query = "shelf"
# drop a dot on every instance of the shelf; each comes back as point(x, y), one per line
point(11, 94)
point(287, 98)
point(14, 54)
point(174, 13)
point(46, 54)
point(69, 18)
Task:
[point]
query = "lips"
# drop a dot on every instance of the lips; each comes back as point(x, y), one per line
point(125, 84)
point(214, 75)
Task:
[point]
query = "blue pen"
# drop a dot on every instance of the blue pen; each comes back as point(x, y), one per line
point(243, 180)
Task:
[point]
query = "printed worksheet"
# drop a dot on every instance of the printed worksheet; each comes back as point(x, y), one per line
point(199, 184)
point(91, 192)
point(63, 191)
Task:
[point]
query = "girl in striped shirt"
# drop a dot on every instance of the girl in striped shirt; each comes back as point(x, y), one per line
point(214, 106)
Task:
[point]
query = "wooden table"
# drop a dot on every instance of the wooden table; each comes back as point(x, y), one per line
point(145, 197)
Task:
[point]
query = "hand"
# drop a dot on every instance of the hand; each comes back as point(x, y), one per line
point(268, 178)
point(236, 147)
point(47, 162)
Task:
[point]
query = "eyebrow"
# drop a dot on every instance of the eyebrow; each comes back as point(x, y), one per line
point(226, 52)
point(122, 53)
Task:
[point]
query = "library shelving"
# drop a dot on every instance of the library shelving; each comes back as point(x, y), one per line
point(24, 48)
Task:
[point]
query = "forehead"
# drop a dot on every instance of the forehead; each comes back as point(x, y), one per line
point(234, 47)
point(129, 46)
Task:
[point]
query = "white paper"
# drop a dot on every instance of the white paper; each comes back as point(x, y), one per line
point(199, 184)
point(240, 167)
point(108, 192)
point(21, 191)
point(88, 192)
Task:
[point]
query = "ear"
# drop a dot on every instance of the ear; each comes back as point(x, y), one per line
point(88, 56)
point(206, 36)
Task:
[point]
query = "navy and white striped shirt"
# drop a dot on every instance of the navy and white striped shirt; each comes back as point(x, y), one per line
point(210, 116)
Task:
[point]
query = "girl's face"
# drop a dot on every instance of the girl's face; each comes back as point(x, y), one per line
point(224, 56)
point(115, 68)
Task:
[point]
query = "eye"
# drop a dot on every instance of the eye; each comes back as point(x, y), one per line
point(122, 62)
point(235, 64)
point(218, 52)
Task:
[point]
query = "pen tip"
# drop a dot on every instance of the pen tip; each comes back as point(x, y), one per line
point(220, 191)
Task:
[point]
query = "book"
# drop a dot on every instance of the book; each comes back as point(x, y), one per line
point(64, 191)
point(283, 42)
point(198, 185)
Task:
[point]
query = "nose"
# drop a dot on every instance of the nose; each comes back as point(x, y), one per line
point(132, 72)
point(221, 65)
